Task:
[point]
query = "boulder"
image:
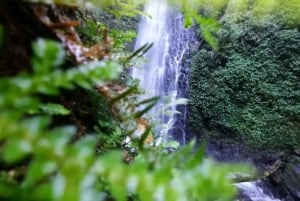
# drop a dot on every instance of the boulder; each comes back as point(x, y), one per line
point(291, 176)
point(287, 177)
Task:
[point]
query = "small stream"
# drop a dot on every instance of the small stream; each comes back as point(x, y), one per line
point(255, 191)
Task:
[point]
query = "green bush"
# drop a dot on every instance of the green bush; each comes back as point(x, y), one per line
point(249, 89)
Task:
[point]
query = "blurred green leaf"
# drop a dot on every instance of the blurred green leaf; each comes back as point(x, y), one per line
point(52, 109)
point(38, 171)
point(15, 150)
point(47, 54)
point(172, 144)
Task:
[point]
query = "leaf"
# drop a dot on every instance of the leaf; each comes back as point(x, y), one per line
point(15, 150)
point(58, 187)
point(54, 109)
point(178, 101)
point(150, 100)
point(209, 26)
point(197, 158)
point(36, 124)
point(47, 54)
point(123, 94)
point(140, 51)
point(38, 170)
point(85, 148)
point(172, 144)
point(101, 70)
point(145, 110)
point(144, 137)
point(41, 192)
point(188, 21)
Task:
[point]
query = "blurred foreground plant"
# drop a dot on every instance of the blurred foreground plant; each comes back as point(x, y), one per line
point(39, 162)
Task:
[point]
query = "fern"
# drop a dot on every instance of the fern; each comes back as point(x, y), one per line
point(57, 170)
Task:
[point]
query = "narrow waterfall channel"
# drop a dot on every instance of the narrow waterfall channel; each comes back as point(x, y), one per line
point(164, 74)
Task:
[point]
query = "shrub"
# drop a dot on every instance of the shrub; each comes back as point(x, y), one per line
point(250, 87)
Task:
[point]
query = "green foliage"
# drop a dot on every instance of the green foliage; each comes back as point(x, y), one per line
point(91, 31)
point(250, 88)
point(161, 176)
point(51, 109)
point(43, 164)
point(48, 78)
point(122, 38)
point(208, 28)
point(210, 10)
point(49, 149)
point(121, 8)
point(102, 27)
point(104, 122)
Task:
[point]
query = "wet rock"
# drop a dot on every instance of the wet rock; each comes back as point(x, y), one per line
point(279, 172)
point(291, 176)
point(297, 152)
point(287, 177)
point(226, 150)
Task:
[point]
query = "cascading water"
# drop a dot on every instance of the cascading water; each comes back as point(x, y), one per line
point(163, 74)
point(255, 191)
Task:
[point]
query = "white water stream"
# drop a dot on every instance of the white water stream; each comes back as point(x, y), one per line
point(163, 74)
point(255, 191)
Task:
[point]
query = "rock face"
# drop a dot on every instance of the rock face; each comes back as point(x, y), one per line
point(292, 176)
point(281, 171)
point(226, 150)
point(287, 177)
point(280, 183)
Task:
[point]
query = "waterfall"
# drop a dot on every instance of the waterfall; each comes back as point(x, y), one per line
point(165, 74)
point(255, 191)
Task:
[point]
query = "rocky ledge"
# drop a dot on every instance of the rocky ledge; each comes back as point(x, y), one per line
point(285, 177)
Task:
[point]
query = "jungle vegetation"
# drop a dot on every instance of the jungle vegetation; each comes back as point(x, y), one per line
point(67, 106)
point(248, 90)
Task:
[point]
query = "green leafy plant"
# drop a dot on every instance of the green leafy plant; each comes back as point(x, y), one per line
point(31, 138)
point(248, 89)
point(51, 109)
point(41, 163)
